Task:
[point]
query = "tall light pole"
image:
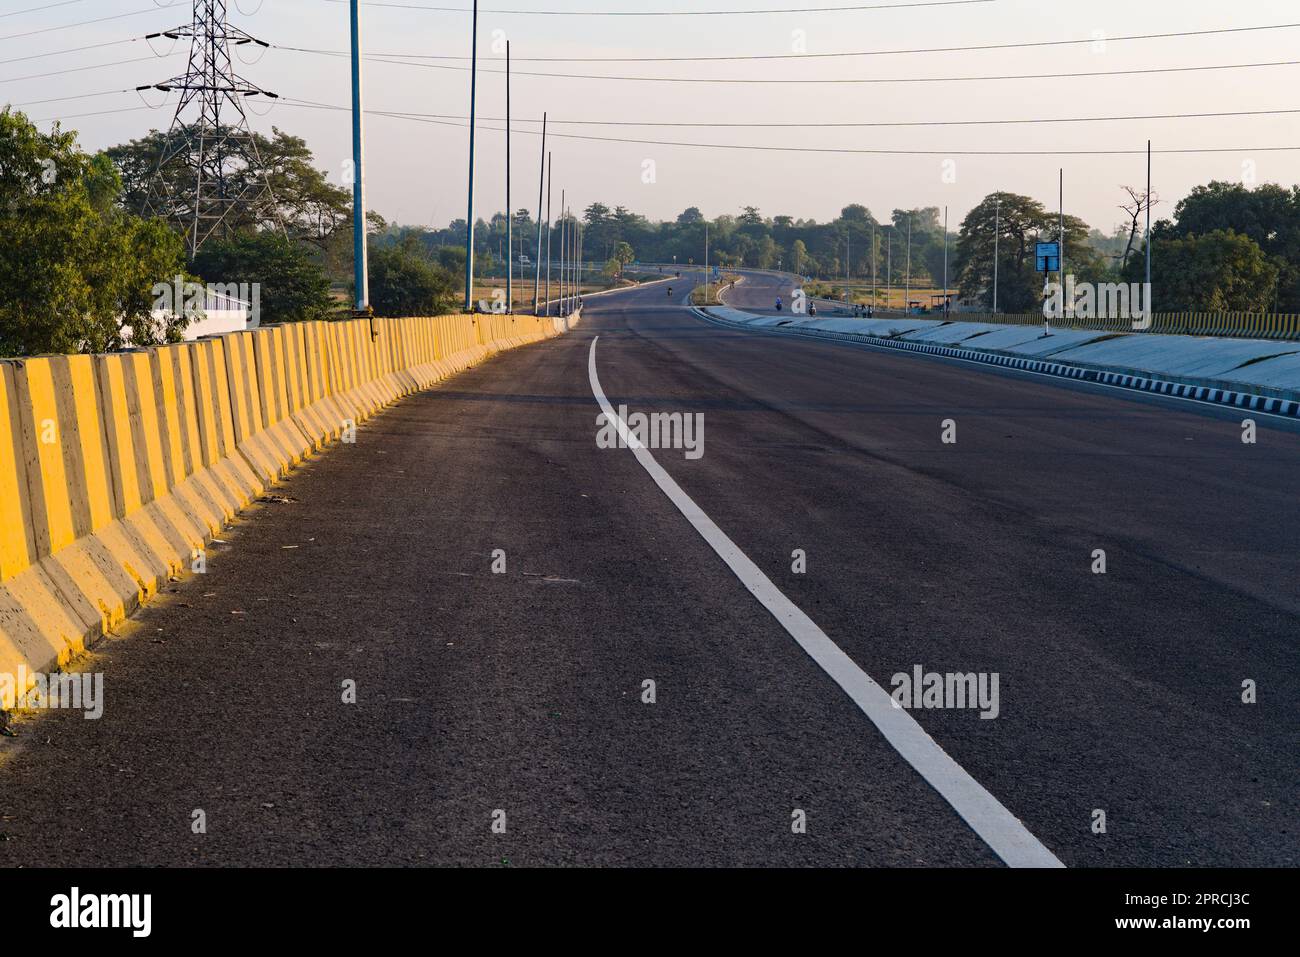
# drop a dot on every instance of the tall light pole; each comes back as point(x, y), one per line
point(1061, 262)
point(889, 269)
point(564, 222)
point(875, 253)
point(541, 185)
point(360, 260)
point(945, 262)
point(550, 169)
point(469, 218)
point(510, 212)
point(997, 237)
point(907, 303)
point(1147, 291)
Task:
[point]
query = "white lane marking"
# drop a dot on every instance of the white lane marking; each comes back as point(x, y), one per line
point(997, 827)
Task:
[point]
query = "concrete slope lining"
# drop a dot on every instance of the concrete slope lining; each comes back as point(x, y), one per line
point(1118, 378)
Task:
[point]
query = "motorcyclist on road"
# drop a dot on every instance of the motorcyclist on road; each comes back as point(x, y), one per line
point(778, 303)
point(670, 292)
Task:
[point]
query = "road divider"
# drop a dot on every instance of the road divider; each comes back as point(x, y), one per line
point(116, 471)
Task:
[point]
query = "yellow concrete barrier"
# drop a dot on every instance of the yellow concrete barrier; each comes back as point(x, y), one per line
point(351, 345)
point(273, 387)
point(177, 393)
point(117, 470)
point(308, 405)
point(166, 530)
point(177, 423)
point(36, 623)
point(269, 457)
point(217, 442)
point(393, 381)
point(101, 567)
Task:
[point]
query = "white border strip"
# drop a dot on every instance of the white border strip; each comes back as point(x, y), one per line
point(997, 827)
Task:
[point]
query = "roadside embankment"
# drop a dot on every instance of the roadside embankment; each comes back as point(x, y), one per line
point(1257, 374)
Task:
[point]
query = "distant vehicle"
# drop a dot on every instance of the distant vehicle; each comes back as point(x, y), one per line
point(525, 261)
point(778, 303)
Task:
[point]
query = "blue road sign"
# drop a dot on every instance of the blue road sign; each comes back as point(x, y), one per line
point(1047, 256)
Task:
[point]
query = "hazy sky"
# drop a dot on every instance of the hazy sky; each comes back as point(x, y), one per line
point(417, 170)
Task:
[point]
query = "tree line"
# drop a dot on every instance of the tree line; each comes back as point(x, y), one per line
point(1227, 247)
point(85, 245)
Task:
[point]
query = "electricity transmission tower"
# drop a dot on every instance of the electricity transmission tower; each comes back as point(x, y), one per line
point(210, 179)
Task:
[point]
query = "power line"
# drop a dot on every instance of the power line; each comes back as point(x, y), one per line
point(675, 13)
point(44, 6)
point(861, 53)
point(83, 23)
point(78, 116)
point(418, 118)
point(308, 104)
point(848, 80)
point(81, 49)
point(678, 124)
point(871, 124)
point(82, 69)
point(76, 96)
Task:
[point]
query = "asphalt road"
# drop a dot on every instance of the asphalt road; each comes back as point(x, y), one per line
point(522, 692)
point(759, 291)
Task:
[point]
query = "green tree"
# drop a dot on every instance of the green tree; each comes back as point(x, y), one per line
point(1222, 271)
point(452, 259)
point(1268, 214)
point(599, 228)
point(1022, 222)
point(293, 287)
point(798, 256)
point(404, 282)
point(76, 272)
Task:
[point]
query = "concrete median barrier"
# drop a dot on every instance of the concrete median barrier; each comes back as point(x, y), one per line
point(310, 407)
point(216, 419)
point(269, 452)
point(37, 623)
point(174, 391)
point(117, 470)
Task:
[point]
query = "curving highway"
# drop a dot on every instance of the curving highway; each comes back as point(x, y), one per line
point(519, 695)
